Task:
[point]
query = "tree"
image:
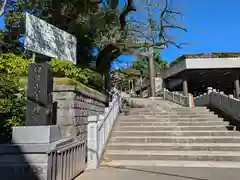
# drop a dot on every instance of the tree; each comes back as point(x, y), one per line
point(95, 23)
point(152, 28)
point(3, 6)
point(9, 40)
point(141, 63)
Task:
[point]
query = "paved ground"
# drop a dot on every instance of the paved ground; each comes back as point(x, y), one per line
point(160, 173)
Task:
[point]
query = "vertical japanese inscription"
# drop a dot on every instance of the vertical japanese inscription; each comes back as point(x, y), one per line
point(39, 94)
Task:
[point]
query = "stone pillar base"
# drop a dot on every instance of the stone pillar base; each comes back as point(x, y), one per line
point(35, 134)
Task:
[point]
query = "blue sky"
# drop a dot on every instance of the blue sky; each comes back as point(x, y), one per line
point(213, 26)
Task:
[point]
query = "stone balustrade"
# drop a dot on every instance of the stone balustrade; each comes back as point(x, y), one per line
point(218, 100)
point(99, 129)
point(178, 98)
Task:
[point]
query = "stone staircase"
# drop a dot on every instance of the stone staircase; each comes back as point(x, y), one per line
point(170, 135)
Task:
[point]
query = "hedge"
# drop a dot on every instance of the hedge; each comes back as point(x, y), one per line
point(18, 66)
point(13, 80)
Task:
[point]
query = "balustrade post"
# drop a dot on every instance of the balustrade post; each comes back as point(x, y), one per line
point(164, 93)
point(185, 87)
point(209, 90)
point(190, 100)
point(92, 143)
point(230, 96)
point(236, 88)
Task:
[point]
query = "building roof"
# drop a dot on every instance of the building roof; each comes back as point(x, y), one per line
point(209, 55)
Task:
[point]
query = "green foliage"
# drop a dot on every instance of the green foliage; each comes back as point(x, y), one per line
point(12, 105)
point(13, 69)
point(175, 62)
point(13, 64)
point(67, 69)
point(95, 80)
point(141, 63)
point(16, 65)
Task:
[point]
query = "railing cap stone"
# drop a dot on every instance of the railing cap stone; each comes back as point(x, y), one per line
point(93, 118)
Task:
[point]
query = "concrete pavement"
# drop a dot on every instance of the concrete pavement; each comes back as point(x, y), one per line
point(160, 173)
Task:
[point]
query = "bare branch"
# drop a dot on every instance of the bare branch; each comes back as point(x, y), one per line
point(3, 7)
point(128, 8)
point(175, 27)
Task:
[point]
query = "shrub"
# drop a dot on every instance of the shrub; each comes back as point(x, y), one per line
point(12, 105)
point(13, 69)
point(67, 69)
point(13, 64)
point(18, 66)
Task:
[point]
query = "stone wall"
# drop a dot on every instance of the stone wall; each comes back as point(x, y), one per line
point(73, 107)
point(27, 156)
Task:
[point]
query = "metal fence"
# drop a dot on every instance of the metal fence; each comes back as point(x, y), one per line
point(67, 162)
point(176, 97)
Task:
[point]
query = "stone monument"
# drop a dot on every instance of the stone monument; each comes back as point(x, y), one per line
point(39, 95)
point(44, 40)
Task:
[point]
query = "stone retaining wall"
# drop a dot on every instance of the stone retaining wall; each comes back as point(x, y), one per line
point(74, 106)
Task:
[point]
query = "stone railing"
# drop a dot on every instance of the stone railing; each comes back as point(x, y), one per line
point(99, 129)
point(178, 98)
point(218, 100)
point(145, 93)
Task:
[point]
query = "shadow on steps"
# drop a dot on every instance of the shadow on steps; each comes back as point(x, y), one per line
point(226, 117)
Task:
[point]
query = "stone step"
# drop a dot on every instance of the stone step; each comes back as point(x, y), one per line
point(167, 113)
point(167, 120)
point(189, 109)
point(175, 133)
point(159, 163)
point(176, 139)
point(173, 128)
point(173, 155)
point(149, 146)
point(173, 116)
point(170, 109)
point(172, 123)
point(164, 119)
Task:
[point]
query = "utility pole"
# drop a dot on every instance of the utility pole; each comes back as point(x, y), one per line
point(151, 69)
point(141, 82)
point(151, 73)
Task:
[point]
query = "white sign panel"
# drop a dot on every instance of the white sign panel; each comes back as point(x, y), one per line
point(49, 40)
point(158, 83)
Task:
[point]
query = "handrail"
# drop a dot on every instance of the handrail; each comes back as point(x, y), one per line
point(105, 124)
point(177, 98)
point(225, 103)
point(99, 130)
point(115, 100)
